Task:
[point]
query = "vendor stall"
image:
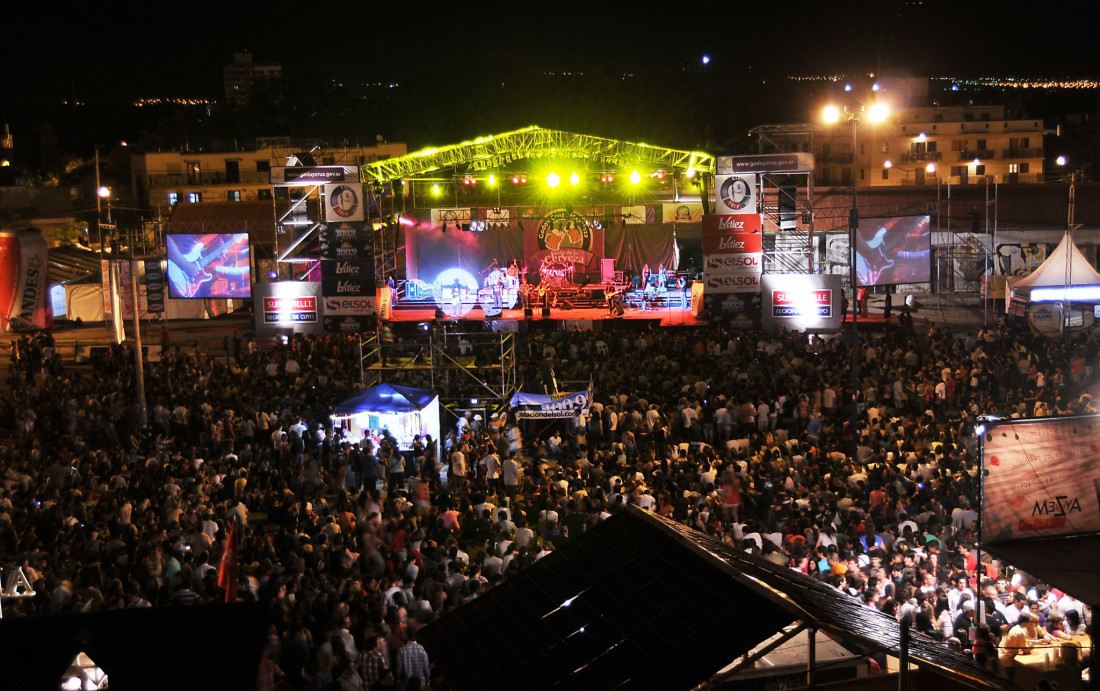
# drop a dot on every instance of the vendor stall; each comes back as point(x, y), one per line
point(404, 412)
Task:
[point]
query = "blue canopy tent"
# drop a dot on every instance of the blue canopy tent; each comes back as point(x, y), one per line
point(406, 412)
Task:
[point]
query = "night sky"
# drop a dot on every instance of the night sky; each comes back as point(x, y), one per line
point(474, 68)
point(96, 51)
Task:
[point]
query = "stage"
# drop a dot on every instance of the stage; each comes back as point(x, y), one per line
point(665, 316)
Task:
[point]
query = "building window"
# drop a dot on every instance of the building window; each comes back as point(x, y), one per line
point(958, 145)
point(1025, 167)
point(263, 166)
point(194, 172)
point(173, 198)
point(931, 147)
point(979, 170)
point(1013, 168)
point(1025, 143)
point(885, 173)
point(194, 197)
point(981, 145)
point(234, 195)
point(232, 171)
point(958, 171)
point(263, 195)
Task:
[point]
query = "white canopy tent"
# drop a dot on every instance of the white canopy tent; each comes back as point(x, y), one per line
point(1059, 294)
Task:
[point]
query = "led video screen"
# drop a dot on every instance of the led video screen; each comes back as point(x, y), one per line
point(208, 265)
point(893, 250)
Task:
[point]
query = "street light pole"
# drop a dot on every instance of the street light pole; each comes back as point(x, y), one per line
point(853, 226)
point(833, 114)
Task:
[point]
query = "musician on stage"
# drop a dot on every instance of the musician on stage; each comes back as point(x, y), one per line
point(645, 276)
point(610, 294)
point(662, 278)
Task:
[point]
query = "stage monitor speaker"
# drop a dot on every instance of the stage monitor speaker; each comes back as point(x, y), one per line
point(567, 305)
point(528, 313)
point(440, 314)
point(545, 311)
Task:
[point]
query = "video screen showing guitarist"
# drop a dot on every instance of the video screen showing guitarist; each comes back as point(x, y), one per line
point(208, 265)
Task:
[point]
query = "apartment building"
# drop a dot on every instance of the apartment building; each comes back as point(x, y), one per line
point(956, 145)
point(163, 179)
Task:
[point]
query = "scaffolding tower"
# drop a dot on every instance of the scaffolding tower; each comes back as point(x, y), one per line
point(477, 365)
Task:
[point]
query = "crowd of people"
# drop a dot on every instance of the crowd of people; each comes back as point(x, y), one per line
point(353, 544)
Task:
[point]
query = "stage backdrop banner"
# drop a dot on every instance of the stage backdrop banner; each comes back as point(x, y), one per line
point(736, 194)
point(683, 212)
point(634, 247)
point(1043, 478)
point(529, 406)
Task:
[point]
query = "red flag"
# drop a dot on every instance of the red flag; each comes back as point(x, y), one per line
point(227, 572)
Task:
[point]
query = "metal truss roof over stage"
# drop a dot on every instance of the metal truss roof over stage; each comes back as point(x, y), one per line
point(485, 153)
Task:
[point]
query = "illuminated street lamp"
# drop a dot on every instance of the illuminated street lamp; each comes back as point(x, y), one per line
point(832, 114)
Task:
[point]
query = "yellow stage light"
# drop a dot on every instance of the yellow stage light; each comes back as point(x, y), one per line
point(553, 180)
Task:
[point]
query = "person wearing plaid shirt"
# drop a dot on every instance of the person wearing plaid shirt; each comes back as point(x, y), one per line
point(412, 663)
point(373, 666)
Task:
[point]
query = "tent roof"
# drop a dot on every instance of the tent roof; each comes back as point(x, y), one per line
point(1066, 265)
point(639, 601)
point(386, 398)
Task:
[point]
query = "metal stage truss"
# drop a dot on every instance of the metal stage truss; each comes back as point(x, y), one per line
point(481, 363)
point(486, 153)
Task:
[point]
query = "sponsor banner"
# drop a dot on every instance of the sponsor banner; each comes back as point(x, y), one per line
point(740, 311)
point(800, 162)
point(347, 287)
point(385, 303)
point(736, 194)
point(794, 303)
point(125, 294)
point(450, 219)
point(348, 324)
point(350, 306)
point(724, 234)
point(802, 302)
point(528, 406)
point(344, 202)
point(355, 269)
point(346, 231)
point(1042, 478)
point(684, 212)
point(730, 283)
point(287, 307)
point(748, 263)
point(347, 251)
point(29, 308)
point(105, 285)
point(307, 176)
point(278, 310)
point(9, 275)
point(154, 286)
